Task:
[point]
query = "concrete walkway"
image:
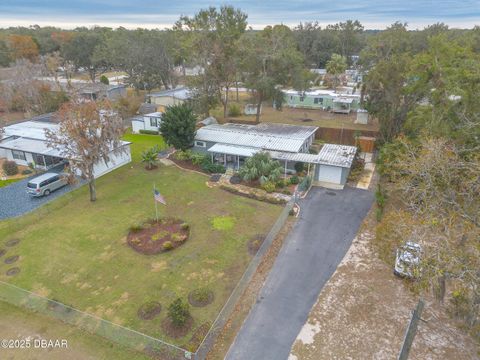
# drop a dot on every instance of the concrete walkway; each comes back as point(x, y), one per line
point(328, 222)
point(367, 174)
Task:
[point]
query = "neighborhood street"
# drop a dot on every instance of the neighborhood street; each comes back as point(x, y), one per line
point(327, 224)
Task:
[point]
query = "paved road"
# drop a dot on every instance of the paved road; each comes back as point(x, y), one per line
point(14, 200)
point(318, 242)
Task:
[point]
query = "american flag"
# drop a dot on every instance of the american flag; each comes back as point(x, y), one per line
point(158, 197)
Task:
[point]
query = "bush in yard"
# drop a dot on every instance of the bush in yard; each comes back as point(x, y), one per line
point(294, 180)
point(299, 167)
point(178, 126)
point(280, 184)
point(150, 157)
point(167, 245)
point(268, 186)
point(148, 132)
point(104, 80)
point(261, 167)
point(183, 155)
point(26, 172)
point(136, 227)
point(211, 167)
point(184, 226)
point(10, 168)
point(234, 110)
point(178, 312)
point(197, 158)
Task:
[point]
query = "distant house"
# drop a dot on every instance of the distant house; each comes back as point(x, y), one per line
point(25, 143)
point(322, 99)
point(99, 91)
point(147, 123)
point(169, 97)
point(232, 144)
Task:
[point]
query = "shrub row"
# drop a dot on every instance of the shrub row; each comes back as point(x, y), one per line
point(148, 132)
point(252, 195)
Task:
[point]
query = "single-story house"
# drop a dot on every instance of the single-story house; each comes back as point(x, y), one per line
point(322, 99)
point(98, 91)
point(232, 144)
point(147, 122)
point(170, 97)
point(25, 143)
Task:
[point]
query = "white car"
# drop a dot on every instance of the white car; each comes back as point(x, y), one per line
point(407, 260)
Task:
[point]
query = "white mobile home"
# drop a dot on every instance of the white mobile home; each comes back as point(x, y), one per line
point(148, 122)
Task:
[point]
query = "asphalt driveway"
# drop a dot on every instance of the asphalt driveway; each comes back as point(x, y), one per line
point(319, 240)
point(14, 200)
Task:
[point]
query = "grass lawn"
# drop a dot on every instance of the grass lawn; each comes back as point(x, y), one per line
point(7, 182)
point(295, 116)
point(75, 251)
point(16, 323)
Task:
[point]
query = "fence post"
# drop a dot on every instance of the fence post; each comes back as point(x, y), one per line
point(411, 331)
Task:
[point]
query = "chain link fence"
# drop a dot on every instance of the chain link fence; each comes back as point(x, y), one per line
point(133, 339)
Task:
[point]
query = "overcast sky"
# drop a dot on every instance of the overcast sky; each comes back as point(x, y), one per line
point(375, 14)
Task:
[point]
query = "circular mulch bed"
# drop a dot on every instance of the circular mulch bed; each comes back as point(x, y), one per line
point(153, 238)
point(13, 271)
point(215, 177)
point(2, 252)
point(255, 243)
point(11, 259)
point(175, 331)
point(149, 310)
point(200, 297)
point(12, 242)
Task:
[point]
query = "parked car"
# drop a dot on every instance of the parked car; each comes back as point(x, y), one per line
point(407, 260)
point(44, 184)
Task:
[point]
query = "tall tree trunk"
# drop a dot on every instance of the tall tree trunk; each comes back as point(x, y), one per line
point(93, 191)
point(257, 115)
point(225, 103)
point(236, 86)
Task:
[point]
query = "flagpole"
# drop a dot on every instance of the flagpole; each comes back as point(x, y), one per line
point(155, 201)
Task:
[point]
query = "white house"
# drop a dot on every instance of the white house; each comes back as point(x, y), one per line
point(147, 122)
point(25, 143)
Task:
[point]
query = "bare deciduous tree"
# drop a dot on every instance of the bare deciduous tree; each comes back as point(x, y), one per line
point(89, 134)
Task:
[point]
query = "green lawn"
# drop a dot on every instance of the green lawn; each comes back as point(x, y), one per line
point(75, 251)
point(8, 182)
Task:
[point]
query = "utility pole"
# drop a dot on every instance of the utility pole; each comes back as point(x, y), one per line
point(411, 331)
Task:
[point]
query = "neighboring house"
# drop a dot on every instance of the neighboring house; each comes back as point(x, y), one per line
point(146, 108)
point(147, 122)
point(170, 97)
point(232, 144)
point(99, 91)
point(322, 99)
point(25, 143)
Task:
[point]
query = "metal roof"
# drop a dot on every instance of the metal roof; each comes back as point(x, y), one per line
point(31, 146)
point(233, 150)
point(338, 155)
point(30, 129)
point(277, 137)
point(178, 93)
point(154, 114)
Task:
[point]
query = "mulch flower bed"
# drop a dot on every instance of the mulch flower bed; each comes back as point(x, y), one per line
point(153, 238)
point(254, 244)
point(187, 164)
point(12, 242)
point(13, 271)
point(176, 331)
point(200, 297)
point(215, 177)
point(11, 259)
point(149, 310)
point(198, 336)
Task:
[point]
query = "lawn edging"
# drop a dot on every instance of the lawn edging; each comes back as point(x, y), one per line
point(225, 313)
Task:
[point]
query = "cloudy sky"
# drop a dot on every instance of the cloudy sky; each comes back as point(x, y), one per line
point(374, 14)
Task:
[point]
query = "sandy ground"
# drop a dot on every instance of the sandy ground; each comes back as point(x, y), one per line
point(363, 311)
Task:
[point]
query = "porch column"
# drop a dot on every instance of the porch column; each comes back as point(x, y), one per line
point(308, 169)
point(285, 169)
point(212, 157)
point(238, 162)
point(225, 159)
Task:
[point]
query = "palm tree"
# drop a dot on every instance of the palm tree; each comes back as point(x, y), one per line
point(150, 158)
point(261, 167)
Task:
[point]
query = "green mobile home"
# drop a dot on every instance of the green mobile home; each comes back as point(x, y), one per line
point(322, 99)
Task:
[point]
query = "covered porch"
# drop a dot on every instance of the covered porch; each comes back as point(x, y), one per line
point(342, 105)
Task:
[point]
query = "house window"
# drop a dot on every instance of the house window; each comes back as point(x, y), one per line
point(153, 122)
point(200, 143)
point(301, 98)
point(18, 155)
point(318, 101)
point(291, 97)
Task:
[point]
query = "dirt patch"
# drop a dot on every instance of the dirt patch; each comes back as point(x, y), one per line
point(254, 244)
point(153, 238)
point(198, 336)
point(201, 297)
point(177, 332)
point(11, 259)
point(13, 271)
point(187, 164)
point(12, 242)
point(149, 310)
point(2, 252)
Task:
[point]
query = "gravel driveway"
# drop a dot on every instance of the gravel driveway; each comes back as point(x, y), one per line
point(14, 200)
point(317, 243)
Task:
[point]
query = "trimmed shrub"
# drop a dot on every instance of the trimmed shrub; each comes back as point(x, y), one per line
point(183, 155)
point(184, 226)
point(148, 132)
point(213, 168)
point(268, 186)
point(167, 245)
point(294, 180)
point(104, 80)
point(178, 312)
point(197, 159)
point(299, 167)
point(201, 295)
point(10, 168)
point(280, 184)
point(26, 172)
point(136, 227)
point(234, 110)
